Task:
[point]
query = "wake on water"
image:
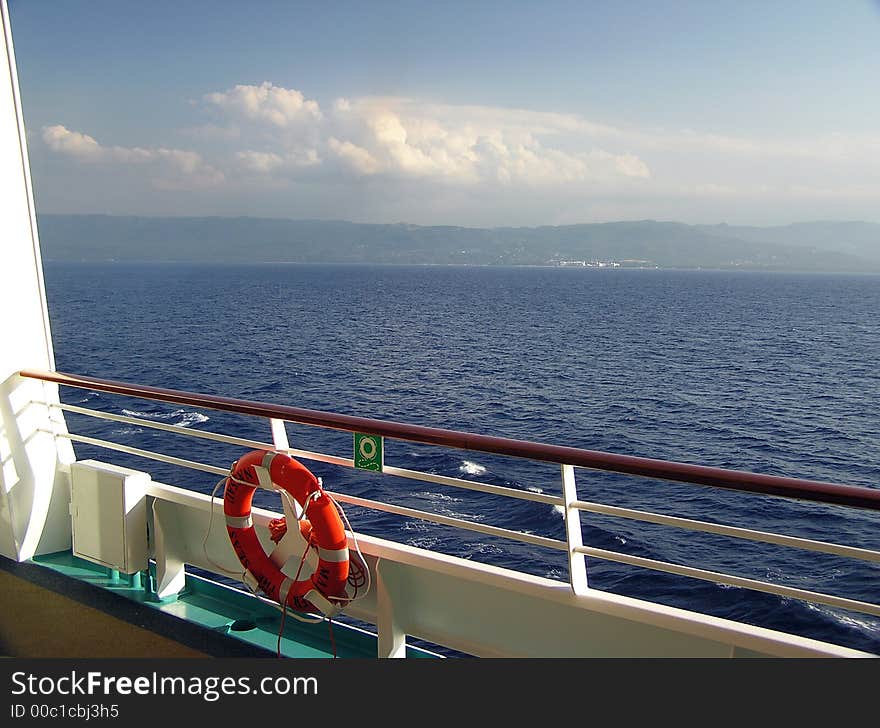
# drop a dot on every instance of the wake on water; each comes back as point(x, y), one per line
point(187, 418)
point(469, 467)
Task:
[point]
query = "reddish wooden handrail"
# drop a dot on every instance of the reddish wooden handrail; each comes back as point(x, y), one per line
point(738, 480)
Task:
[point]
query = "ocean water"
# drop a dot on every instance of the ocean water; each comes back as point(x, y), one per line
point(771, 373)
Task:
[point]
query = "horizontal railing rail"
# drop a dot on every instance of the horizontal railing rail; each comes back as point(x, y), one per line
point(462, 523)
point(743, 481)
point(730, 580)
point(748, 534)
point(307, 454)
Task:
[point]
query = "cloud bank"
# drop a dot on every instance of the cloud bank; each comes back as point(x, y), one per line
point(170, 168)
point(266, 137)
point(292, 136)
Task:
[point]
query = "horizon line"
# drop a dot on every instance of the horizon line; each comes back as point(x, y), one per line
point(453, 225)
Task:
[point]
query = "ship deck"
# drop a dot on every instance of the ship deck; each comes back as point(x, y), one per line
point(70, 608)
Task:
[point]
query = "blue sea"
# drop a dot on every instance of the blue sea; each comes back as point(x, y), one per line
point(767, 372)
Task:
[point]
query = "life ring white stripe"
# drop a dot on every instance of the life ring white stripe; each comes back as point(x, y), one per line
point(336, 556)
point(239, 521)
point(264, 478)
point(264, 475)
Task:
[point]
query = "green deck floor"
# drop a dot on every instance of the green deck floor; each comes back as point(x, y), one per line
point(207, 605)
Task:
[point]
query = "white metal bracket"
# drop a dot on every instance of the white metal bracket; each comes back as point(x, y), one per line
point(170, 572)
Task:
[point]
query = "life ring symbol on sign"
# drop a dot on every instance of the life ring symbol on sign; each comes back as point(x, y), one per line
point(368, 448)
point(318, 545)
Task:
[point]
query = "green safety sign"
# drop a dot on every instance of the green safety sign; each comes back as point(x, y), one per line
point(368, 452)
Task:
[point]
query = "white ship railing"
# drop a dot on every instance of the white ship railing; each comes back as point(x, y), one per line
point(568, 459)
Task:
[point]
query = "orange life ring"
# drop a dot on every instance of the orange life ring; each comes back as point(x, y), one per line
point(323, 530)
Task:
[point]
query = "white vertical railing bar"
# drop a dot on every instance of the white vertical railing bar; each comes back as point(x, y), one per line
point(279, 434)
point(577, 566)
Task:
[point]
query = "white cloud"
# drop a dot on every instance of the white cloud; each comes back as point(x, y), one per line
point(263, 162)
point(269, 162)
point(358, 158)
point(408, 139)
point(60, 139)
point(472, 145)
point(829, 147)
point(267, 103)
point(630, 165)
point(213, 132)
point(174, 168)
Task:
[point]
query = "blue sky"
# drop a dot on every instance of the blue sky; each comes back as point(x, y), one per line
point(472, 113)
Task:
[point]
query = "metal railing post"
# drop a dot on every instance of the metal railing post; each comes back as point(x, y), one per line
point(577, 564)
point(279, 434)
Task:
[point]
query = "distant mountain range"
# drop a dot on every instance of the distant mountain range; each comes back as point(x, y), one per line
point(809, 246)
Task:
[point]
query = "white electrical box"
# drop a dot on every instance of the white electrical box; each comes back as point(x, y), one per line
point(108, 508)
